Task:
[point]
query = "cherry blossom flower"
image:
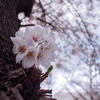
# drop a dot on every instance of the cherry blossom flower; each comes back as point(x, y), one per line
point(30, 57)
point(20, 34)
point(51, 47)
point(43, 58)
point(34, 47)
point(36, 33)
point(20, 46)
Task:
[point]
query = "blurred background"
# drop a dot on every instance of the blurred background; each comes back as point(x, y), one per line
point(76, 26)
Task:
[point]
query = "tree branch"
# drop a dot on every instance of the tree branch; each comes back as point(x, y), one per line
point(46, 22)
point(27, 25)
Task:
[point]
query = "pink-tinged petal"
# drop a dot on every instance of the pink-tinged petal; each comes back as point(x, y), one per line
point(53, 46)
point(47, 30)
point(36, 63)
point(46, 54)
point(50, 46)
point(28, 31)
point(30, 59)
point(15, 49)
point(37, 29)
point(19, 33)
point(20, 56)
point(53, 57)
point(29, 42)
point(27, 62)
point(43, 58)
point(37, 33)
point(45, 63)
point(47, 38)
point(24, 63)
point(33, 49)
point(45, 45)
point(17, 40)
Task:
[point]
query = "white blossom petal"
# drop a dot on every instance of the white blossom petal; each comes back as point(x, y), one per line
point(15, 49)
point(38, 29)
point(53, 57)
point(28, 62)
point(37, 33)
point(20, 56)
point(30, 58)
point(47, 30)
point(45, 63)
point(17, 40)
point(29, 42)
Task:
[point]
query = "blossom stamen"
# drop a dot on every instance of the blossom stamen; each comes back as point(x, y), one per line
point(29, 54)
point(22, 48)
point(39, 55)
point(47, 48)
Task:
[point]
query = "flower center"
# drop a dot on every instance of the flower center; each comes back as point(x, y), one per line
point(35, 39)
point(29, 54)
point(39, 55)
point(22, 48)
point(47, 48)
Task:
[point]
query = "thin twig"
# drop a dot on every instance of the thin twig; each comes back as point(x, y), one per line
point(45, 22)
point(42, 78)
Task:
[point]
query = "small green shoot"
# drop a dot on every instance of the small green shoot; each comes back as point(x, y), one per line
point(49, 69)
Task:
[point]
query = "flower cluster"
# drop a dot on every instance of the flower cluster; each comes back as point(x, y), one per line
point(34, 47)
